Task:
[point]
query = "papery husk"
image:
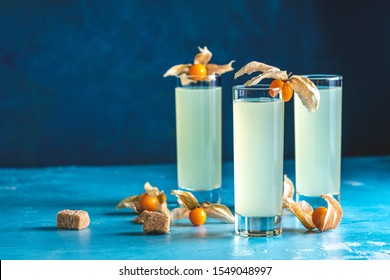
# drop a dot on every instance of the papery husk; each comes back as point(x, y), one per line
point(184, 80)
point(301, 211)
point(254, 66)
point(304, 212)
point(219, 69)
point(189, 202)
point(334, 214)
point(307, 92)
point(150, 190)
point(177, 70)
point(162, 198)
point(274, 74)
point(186, 199)
point(303, 87)
point(288, 189)
point(180, 213)
point(307, 211)
point(162, 206)
point(203, 57)
point(218, 211)
point(132, 202)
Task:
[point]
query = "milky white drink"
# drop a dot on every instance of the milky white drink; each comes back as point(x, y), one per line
point(258, 156)
point(318, 145)
point(198, 135)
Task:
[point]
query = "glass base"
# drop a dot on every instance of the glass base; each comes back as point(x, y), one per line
point(258, 226)
point(315, 201)
point(213, 196)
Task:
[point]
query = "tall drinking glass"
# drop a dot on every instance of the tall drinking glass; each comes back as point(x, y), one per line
point(198, 136)
point(318, 142)
point(258, 121)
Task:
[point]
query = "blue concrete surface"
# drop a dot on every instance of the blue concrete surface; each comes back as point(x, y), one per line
point(81, 81)
point(30, 199)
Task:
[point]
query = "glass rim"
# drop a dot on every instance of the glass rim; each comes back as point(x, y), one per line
point(200, 76)
point(265, 87)
point(323, 77)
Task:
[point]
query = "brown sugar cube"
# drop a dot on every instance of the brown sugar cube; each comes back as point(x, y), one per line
point(140, 219)
point(72, 219)
point(155, 222)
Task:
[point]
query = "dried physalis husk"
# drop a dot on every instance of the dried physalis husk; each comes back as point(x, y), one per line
point(219, 69)
point(161, 197)
point(303, 87)
point(218, 211)
point(288, 189)
point(304, 212)
point(177, 70)
point(274, 74)
point(186, 199)
point(134, 202)
point(268, 71)
point(203, 57)
point(184, 80)
point(334, 213)
point(162, 205)
point(189, 202)
point(179, 213)
point(255, 66)
point(307, 92)
point(150, 190)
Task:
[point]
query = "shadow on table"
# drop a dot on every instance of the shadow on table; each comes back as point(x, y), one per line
point(43, 228)
point(120, 213)
point(55, 229)
point(179, 235)
point(287, 230)
point(127, 233)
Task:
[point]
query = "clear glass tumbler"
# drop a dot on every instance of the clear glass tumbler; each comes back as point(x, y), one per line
point(258, 122)
point(318, 143)
point(199, 137)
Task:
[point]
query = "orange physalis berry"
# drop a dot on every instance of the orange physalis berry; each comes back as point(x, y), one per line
point(287, 91)
point(275, 87)
point(284, 88)
point(149, 202)
point(198, 71)
point(198, 216)
point(318, 217)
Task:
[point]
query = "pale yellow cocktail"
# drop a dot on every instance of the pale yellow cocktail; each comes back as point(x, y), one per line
point(318, 145)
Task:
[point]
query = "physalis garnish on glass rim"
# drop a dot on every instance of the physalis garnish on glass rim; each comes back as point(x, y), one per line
point(196, 212)
point(200, 69)
point(152, 200)
point(321, 218)
point(283, 84)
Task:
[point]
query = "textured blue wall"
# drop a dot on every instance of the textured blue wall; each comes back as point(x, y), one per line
point(81, 81)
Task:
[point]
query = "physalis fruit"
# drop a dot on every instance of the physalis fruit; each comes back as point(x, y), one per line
point(283, 83)
point(198, 213)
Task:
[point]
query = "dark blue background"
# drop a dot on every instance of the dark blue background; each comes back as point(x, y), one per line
point(81, 81)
